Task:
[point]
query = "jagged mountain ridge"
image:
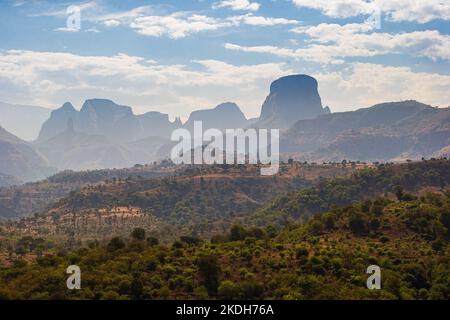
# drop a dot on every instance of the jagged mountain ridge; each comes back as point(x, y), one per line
point(105, 117)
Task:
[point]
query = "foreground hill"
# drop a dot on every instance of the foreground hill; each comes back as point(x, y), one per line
point(203, 200)
point(388, 180)
point(326, 258)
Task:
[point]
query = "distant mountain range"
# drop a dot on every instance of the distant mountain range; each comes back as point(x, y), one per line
point(106, 118)
point(103, 134)
point(393, 131)
point(23, 121)
point(21, 160)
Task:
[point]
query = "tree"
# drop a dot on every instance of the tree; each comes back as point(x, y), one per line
point(138, 234)
point(398, 192)
point(228, 290)
point(152, 241)
point(237, 233)
point(115, 244)
point(208, 268)
point(252, 289)
point(357, 224)
point(136, 288)
point(445, 220)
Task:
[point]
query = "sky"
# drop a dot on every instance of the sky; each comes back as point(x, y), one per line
point(179, 56)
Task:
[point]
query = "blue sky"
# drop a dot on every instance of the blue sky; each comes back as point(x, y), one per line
point(179, 56)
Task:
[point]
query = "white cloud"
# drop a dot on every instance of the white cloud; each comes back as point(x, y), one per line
point(366, 84)
point(51, 78)
point(281, 52)
point(177, 25)
point(237, 5)
point(112, 23)
point(65, 29)
point(182, 24)
point(421, 11)
point(353, 40)
point(331, 43)
point(253, 20)
point(114, 19)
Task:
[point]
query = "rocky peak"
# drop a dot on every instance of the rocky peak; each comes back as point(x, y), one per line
point(291, 98)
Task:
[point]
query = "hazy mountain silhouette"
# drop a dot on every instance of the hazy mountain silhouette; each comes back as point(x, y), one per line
point(20, 160)
point(156, 124)
point(23, 121)
point(291, 98)
point(387, 131)
point(224, 116)
point(104, 134)
point(57, 122)
point(83, 151)
point(104, 117)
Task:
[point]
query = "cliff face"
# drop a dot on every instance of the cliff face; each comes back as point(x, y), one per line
point(291, 98)
point(106, 118)
point(225, 116)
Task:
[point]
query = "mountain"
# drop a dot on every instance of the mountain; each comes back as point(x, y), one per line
point(157, 124)
point(57, 122)
point(291, 98)
point(74, 150)
point(20, 159)
point(23, 121)
point(224, 116)
point(104, 117)
point(384, 132)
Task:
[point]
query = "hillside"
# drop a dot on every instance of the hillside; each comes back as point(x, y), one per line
point(203, 200)
point(32, 198)
point(394, 131)
point(199, 199)
point(326, 258)
point(386, 180)
point(7, 180)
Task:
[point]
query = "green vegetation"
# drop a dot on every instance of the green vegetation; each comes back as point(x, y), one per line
point(388, 180)
point(189, 237)
point(325, 258)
